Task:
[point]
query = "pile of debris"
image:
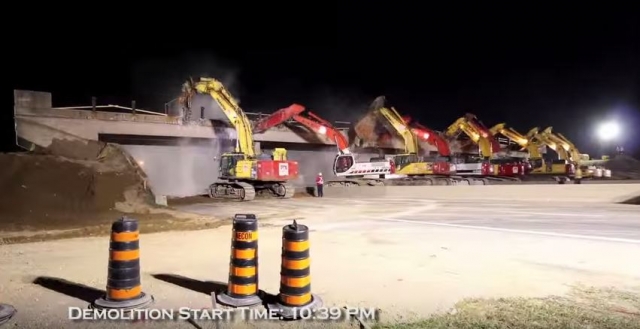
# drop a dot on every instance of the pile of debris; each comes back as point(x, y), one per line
point(68, 183)
point(624, 167)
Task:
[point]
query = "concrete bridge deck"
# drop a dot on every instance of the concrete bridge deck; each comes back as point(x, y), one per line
point(179, 157)
point(39, 123)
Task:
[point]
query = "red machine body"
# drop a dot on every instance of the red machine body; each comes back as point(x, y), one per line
point(276, 170)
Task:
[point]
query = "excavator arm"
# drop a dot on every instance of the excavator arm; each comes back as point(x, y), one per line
point(229, 107)
point(427, 135)
point(524, 142)
point(393, 118)
point(573, 150)
point(311, 121)
point(488, 145)
point(484, 132)
point(555, 143)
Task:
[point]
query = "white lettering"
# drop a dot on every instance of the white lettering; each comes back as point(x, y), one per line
point(114, 314)
point(87, 314)
point(260, 314)
point(127, 316)
point(244, 313)
point(100, 314)
point(184, 313)
point(203, 315)
point(222, 314)
point(75, 313)
point(273, 314)
point(363, 313)
point(154, 314)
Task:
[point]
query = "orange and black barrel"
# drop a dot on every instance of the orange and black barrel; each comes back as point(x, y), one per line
point(242, 289)
point(6, 313)
point(295, 294)
point(124, 288)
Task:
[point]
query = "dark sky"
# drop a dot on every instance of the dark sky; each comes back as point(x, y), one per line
point(568, 68)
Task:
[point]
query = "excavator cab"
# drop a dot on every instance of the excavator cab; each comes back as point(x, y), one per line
point(343, 162)
point(235, 165)
point(402, 160)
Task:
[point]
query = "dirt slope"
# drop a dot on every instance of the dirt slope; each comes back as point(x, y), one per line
point(50, 190)
point(624, 167)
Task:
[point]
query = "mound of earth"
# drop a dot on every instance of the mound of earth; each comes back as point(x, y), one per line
point(68, 183)
point(624, 167)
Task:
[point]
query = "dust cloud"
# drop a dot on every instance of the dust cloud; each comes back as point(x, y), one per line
point(180, 170)
point(156, 83)
point(334, 105)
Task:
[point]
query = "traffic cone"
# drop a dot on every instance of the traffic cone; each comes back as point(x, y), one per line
point(124, 289)
point(295, 295)
point(6, 313)
point(242, 289)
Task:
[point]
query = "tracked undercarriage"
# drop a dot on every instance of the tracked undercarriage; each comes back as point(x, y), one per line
point(243, 191)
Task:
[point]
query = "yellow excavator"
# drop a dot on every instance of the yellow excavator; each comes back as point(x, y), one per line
point(242, 173)
point(566, 151)
point(488, 165)
point(409, 165)
point(561, 170)
point(571, 153)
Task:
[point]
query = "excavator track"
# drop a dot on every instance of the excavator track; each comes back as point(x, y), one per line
point(281, 190)
point(290, 191)
point(249, 191)
point(232, 190)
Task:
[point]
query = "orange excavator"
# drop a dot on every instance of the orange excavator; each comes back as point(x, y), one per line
point(345, 166)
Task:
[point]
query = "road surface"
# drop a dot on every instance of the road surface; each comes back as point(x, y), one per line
point(409, 258)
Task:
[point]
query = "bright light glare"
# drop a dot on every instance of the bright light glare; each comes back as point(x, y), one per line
point(322, 130)
point(141, 163)
point(425, 135)
point(608, 131)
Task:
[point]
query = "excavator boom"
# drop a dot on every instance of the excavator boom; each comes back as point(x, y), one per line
point(278, 117)
point(229, 107)
point(526, 143)
point(313, 123)
point(395, 120)
point(564, 149)
point(487, 144)
point(427, 135)
point(484, 132)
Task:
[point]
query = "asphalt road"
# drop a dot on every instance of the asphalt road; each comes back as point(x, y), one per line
point(610, 222)
point(585, 221)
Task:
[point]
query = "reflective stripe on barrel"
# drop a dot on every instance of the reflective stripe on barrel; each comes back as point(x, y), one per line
point(123, 278)
point(243, 270)
point(295, 278)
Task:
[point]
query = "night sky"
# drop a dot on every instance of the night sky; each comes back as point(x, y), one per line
point(569, 69)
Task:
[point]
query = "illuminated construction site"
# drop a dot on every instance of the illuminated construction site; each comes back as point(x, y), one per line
point(413, 219)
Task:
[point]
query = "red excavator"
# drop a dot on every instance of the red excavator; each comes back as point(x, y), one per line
point(429, 136)
point(345, 166)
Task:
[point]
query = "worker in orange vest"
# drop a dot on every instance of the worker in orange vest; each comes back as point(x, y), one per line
point(320, 185)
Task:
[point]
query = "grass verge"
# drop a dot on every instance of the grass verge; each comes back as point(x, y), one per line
point(584, 308)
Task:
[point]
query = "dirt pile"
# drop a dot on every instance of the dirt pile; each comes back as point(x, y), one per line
point(624, 167)
point(68, 183)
